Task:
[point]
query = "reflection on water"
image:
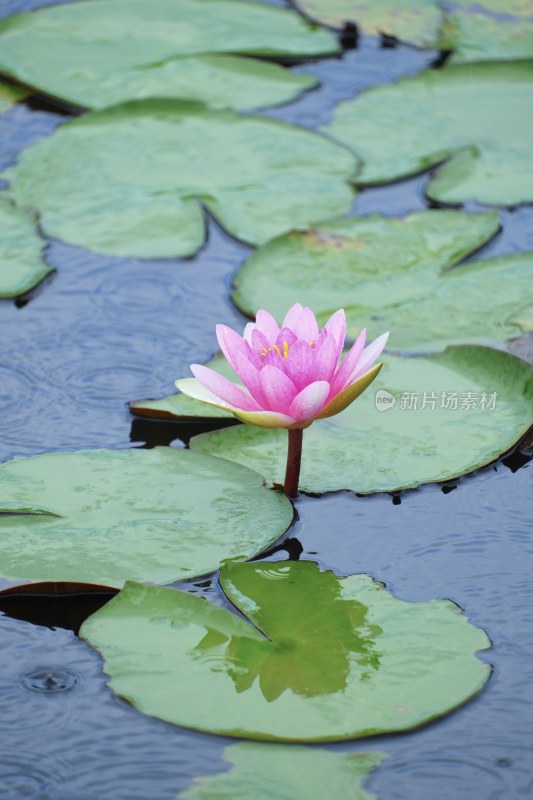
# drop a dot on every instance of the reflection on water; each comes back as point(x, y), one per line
point(311, 651)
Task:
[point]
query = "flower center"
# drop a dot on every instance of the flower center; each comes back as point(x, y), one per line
point(266, 350)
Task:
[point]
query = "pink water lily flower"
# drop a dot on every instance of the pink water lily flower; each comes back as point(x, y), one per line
point(291, 375)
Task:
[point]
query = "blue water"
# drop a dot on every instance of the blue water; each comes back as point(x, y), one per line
point(102, 331)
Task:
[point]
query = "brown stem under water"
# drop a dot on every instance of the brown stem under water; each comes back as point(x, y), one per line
point(294, 459)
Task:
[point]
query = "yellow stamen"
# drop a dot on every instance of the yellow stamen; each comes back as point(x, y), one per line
point(266, 350)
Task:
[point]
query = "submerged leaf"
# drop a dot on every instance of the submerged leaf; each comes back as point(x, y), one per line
point(429, 419)
point(103, 516)
point(185, 50)
point(313, 658)
point(489, 151)
point(282, 772)
point(130, 180)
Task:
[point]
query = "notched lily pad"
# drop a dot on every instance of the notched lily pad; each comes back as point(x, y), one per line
point(131, 180)
point(425, 419)
point(481, 302)
point(370, 261)
point(185, 50)
point(21, 261)
point(489, 153)
point(283, 772)
point(103, 516)
point(315, 658)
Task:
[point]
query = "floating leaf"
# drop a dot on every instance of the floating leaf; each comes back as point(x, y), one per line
point(480, 303)
point(315, 658)
point(21, 263)
point(177, 50)
point(283, 772)
point(380, 444)
point(102, 516)
point(489, 151)
point(413, 21)
point(181, 406)
point(9, 95)
point(369, 261)
point(130, 180)
point(474, 33)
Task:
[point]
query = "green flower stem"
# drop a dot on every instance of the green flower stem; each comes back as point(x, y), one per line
point(294, 459)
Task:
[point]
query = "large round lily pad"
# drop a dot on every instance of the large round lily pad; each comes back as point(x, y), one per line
point(315, 658)
point(21, 263)
point(97, 54)
point(489, 151)
point(413, 21)
point(425, 419)
point(103, 516)
point(364, 261)
point(130, 180)
point(286, 772)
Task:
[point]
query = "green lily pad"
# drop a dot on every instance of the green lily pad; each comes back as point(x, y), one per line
point(489, 152)
point(315, 658)
point(475, 34)
point(185, 50)
point(102, 516)
point(413, 21)
point(182, 407)
point(481, 302)
point(283, 772)
point(365, 260)
point(21, 263)
point(9, 95)
point(130, 180)
point(382, 443)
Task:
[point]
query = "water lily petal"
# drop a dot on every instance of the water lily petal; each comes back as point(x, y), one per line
point(342, 400)
point(266, 323)
point(193, 388)
point(325, 359)
point(306, 326)
point(224, 388)
point(232, 345)
point(267, 419)
point(341, 378)
point(336, 327)
point(278, 389)
point(247, 332)
point(307, 404)
point(299, 364)
point(292, 315)
point(369, 355)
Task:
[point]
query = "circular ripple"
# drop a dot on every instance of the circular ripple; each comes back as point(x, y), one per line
point(49, 680)
point(23, 776)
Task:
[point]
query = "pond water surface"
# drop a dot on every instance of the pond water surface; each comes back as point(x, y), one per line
point(102, 331)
